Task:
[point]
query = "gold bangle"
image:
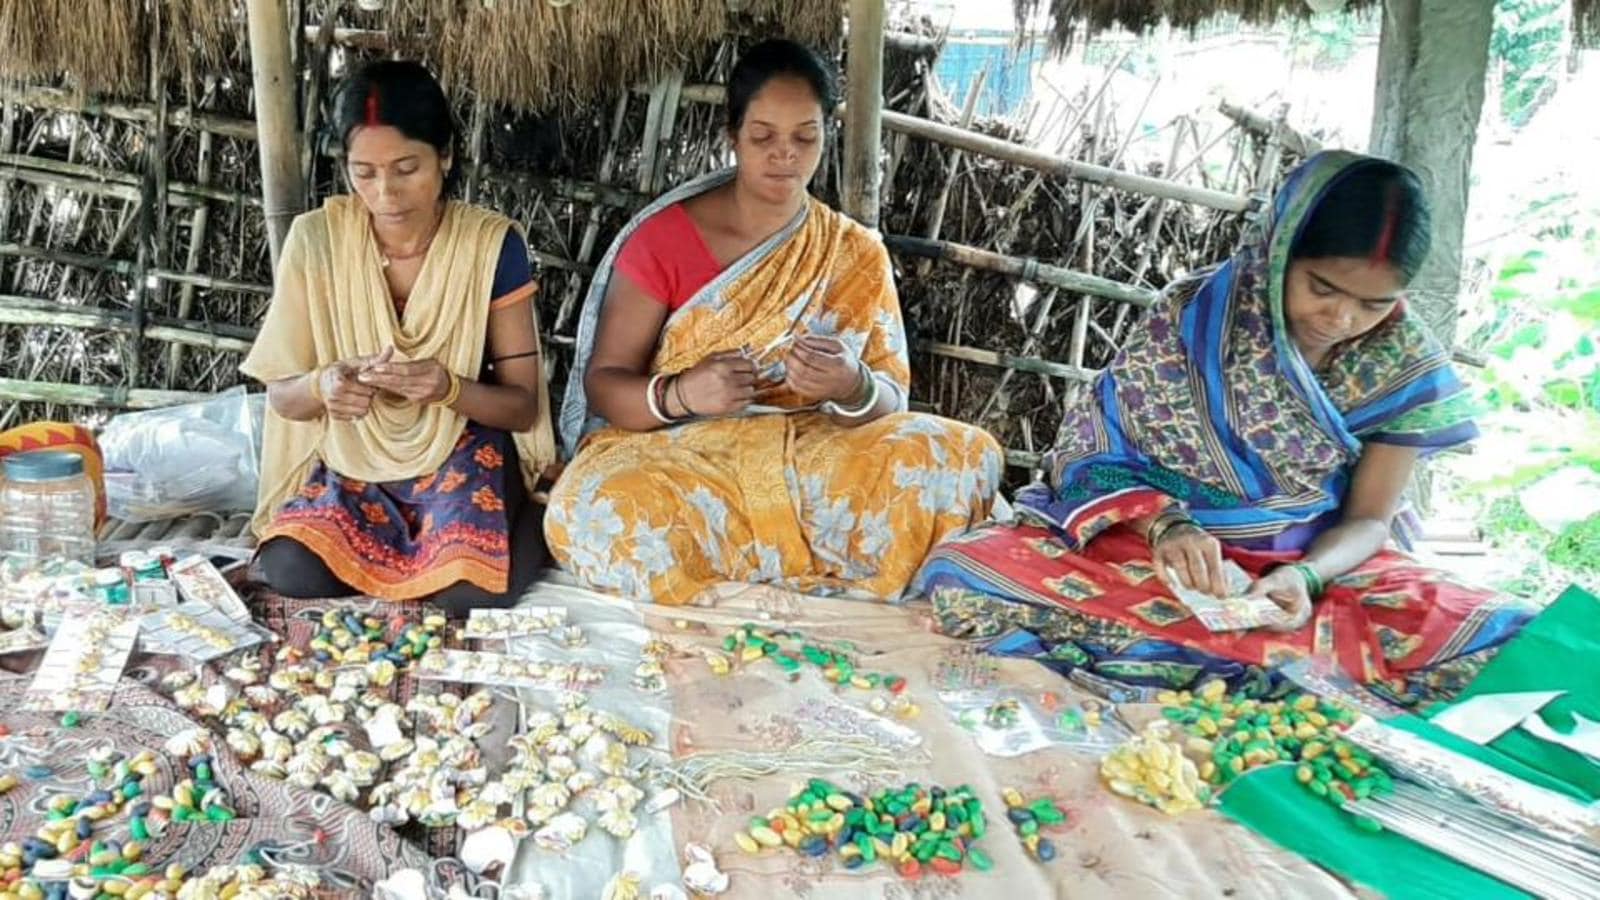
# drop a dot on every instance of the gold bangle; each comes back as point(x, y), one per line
point(453, 394)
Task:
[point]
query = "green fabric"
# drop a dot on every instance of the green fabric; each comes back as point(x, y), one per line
point(1269, 802)
point(1510, 765)
point(1558, 650)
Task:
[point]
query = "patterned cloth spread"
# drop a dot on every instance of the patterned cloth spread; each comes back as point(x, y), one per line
point(1211, 406)
point(279, 826)
point(780, 494)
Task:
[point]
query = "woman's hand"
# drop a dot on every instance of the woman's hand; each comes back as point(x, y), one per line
point(719, 385)
point(344, 395)
point(1286, 586)
point(823, 368)
point(422, 381)
point(1192, 556)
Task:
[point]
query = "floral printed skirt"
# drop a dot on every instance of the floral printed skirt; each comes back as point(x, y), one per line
point(794, 500)
point(404, 540)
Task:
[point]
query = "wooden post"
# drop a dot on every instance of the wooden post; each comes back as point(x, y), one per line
point(863, 117)
point(282, 183)
point(1432, 58)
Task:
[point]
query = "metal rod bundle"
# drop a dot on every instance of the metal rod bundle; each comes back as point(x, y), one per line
point(1476, 836)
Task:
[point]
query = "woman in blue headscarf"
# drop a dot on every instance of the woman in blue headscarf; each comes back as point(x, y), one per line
point(1268, 414)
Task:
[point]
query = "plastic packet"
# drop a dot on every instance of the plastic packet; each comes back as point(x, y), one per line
point(481, 667)
point(1324, 677)
point(1009, 722)
point(841, 718)
point(198, 632)
point(178, 460)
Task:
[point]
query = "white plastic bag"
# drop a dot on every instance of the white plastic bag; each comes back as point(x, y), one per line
point(180, 460)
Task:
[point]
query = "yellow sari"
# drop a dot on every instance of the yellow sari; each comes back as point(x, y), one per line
point(781, 495)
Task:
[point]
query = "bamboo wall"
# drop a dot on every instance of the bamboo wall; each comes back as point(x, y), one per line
point(134, 265)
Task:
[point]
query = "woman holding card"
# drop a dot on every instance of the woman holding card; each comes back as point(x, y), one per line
point(737, 402)
point(1267, 416)
point(407, 416)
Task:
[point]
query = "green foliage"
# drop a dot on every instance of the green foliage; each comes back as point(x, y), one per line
point(1328, 40)
point(1577, 547)
point(1543, 333)
point(1540, 332)
point(1527, 43)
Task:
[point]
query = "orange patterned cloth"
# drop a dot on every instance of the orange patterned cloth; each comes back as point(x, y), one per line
point(62, 436)
point(781, 495)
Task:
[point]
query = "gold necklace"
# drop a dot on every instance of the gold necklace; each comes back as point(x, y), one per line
point(386, 257)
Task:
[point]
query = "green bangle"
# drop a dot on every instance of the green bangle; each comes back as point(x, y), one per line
point(1314, 583)
point(1165, 522)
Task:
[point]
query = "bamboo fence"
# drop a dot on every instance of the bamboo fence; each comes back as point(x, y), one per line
point(134, 261)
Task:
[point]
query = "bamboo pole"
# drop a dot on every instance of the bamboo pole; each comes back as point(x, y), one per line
point(199, 227)
point(128, 268)
point(93, 179)
point(863, 116)
point(1296, 142)
point(1021, 267)
point(152, 204)
point(1064, 167)
point(591, 229)
point(282, 182)
point(474, 160)
point(37, 312)
point(7, 135)
point(1027, 157)
point(942, 199)
point(1029, 364)
point(354, 38)
point(569, 188)
point(61, 100)
point(650, 141)
point(20, 391)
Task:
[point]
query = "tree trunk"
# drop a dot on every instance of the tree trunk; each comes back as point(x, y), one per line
point(1432, 59)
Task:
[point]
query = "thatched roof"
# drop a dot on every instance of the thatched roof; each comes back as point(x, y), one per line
point(1067, 17)
point(526, 53)
point(104, 46)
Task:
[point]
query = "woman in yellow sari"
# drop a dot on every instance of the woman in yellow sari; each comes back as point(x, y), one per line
point(737, 403)
point(407, 419)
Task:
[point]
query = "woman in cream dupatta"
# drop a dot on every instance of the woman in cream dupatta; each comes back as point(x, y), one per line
point(755, 431)
point(407, 420)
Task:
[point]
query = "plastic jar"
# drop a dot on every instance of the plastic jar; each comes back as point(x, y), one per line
point(111, 587)
point(47, 508)
point(143, 566)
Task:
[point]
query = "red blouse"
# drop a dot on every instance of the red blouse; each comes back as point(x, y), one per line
point(667, 258)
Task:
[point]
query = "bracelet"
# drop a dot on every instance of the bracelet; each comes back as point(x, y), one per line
point(653, 396)
point(315, 388)
point(866, 407)
point(453, 393)
point(1314, 584)
point(677, 391)
point(1165, 522)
